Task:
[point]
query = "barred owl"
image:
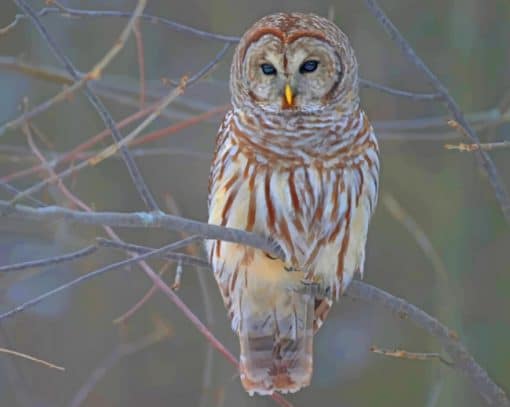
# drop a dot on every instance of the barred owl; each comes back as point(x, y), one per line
point(296, 161)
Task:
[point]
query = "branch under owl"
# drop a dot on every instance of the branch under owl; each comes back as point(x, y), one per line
point(374, 296)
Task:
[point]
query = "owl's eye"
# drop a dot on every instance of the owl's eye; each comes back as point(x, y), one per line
point(268, 69)
point(308, 66)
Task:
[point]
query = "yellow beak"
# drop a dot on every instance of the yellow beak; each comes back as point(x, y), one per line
point(288, 94)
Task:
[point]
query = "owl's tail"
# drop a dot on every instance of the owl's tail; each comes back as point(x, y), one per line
point(277, 345)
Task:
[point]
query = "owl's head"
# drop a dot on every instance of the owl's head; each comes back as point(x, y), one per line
point(294, 62)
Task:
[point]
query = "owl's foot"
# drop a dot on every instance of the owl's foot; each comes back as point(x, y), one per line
point(287, 266)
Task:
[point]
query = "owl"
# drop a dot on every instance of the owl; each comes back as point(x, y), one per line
point(296, 161)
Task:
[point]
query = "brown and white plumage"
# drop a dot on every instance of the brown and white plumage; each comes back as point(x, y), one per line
point(296, 161)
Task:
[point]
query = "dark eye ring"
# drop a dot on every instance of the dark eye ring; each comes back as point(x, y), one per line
point(308, 66)
point(268, 69)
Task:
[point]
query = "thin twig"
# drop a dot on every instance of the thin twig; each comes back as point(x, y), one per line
point(137, 31)
point(112, 149)
point(121, 351)
point(86, 251)
point(178, 257)
point(475, 147)
point(15, 191)
point(175, 26)
point(418, 234)
point(484, 159)
point(32, 358)
point(403, 354)
point(364, 83)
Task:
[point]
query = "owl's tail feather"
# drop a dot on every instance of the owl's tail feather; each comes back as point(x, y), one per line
point(277, 347)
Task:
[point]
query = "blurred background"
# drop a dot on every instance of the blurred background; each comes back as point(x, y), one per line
point(438, 238)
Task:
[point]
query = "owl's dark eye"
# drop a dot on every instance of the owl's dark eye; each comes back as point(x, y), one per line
point(308, 66)
point(268, 69)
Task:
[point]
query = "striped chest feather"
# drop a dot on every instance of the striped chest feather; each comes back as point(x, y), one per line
point(317, 210)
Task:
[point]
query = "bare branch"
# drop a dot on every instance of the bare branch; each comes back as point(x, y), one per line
point(121, 351)
point(402, 93)
point(484, 159)
point(179, 257)
point(86, 251)
point(31, 358)
point(140, 220)
point(403, 354)
point(13, 190)
point(475, 147)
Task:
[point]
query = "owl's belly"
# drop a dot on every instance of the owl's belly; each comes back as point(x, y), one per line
point(318, 216)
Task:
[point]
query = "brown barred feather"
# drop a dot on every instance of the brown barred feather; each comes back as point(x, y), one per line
point(305, 176)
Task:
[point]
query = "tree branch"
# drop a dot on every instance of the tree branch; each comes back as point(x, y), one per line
point(140, 220)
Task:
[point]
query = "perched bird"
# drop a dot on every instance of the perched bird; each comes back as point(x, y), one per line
point(296, 161)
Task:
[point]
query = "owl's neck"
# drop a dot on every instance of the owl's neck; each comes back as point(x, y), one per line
point(330, 137)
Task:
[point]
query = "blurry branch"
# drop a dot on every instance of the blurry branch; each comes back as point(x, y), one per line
point(13, 190)
point(122, 319)
point(479, 120)
point(123, 350)
point(112, 149)
point(178, 257)
point(21, 154)
point(475, 147)
point(140, 220)
point(484, 159)
point(101, 242)
point(462, 360)
point(137, 32)
point(396, 92)
point(396, 210)
point(402, 354)
point(86, 251)
point(134, 172)
point(175, 26)
point(31, 358)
